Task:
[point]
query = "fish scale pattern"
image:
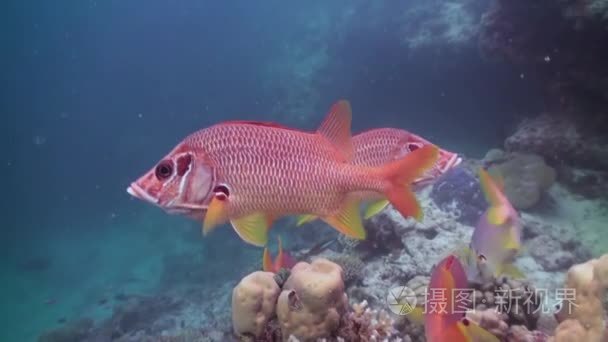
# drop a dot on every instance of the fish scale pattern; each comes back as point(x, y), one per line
point(279, 171)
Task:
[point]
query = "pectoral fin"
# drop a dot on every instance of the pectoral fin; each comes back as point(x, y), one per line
point(512, 271)
point(348, 221)
point(217, 213)
point(375, 208)
point(252, 229)
point(474, 333)
point(511, 240)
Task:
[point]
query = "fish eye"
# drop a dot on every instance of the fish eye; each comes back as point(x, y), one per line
point(221, 192)
point(164, 170)
point(466, 322)
point(412, 147)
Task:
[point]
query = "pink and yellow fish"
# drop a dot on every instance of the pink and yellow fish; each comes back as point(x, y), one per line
point(283, 259)
point(497, 236)
point(251, 173)
point(444, 314)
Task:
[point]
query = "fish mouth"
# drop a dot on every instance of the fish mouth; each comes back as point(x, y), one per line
point(137, 192)
point(454, 161)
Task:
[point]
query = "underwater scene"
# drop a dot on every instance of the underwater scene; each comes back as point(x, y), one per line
point(355, 170)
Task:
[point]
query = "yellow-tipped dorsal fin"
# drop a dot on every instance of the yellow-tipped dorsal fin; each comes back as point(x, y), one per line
point(489, 188)
point(336, 128)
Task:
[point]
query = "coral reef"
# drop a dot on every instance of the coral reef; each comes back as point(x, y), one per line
point(312, 300)
point(581, 314)
point(561, 140)
point(458, 191)
point(312, 305)
point(253, 303)
point(526, 177)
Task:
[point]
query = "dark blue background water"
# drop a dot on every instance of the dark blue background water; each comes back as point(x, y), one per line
point(95, 92)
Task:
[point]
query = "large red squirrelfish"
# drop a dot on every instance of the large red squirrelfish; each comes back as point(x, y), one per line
point(379, 146)
point(250, 173)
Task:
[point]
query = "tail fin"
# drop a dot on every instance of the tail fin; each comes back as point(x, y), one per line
point(402, 173)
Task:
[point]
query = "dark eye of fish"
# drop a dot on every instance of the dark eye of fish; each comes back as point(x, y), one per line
point(413, 147)
point(164, 170)
point(466, 322)
point(221, 192)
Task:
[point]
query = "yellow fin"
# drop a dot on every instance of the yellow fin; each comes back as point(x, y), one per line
point(252, 228)
point(474, 333)
point(336, 128)
point(498, 215)
point(489, 188)
point(375, 208)
point(216, 214)
point(348, 221)
point(302, 219)
point(416, 316)
point(510, 240)
point(512, 271)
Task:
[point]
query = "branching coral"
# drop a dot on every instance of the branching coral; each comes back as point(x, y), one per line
point(367, 325)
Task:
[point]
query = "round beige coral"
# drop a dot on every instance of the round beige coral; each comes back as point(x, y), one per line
point(584, 317)
point(254, 302)
point(312, 301)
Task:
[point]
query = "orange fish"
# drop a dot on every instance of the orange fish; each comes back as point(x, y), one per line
point(444, 315)
point(379, 146)
point(251, 173)
point(283, 260)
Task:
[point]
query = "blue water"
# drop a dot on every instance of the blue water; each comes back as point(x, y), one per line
point(94, 92)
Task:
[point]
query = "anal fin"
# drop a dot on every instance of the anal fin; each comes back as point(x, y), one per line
point(348, 221)
point(375, 208)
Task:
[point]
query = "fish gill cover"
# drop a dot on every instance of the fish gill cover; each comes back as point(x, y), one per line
point(96, 92)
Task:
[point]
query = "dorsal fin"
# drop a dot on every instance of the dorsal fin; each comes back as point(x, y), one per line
point(489, 188)
point(336, 128)
point(258, 123)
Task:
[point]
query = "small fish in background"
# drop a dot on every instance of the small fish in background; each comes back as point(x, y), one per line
point(252, 173)
point(444, 315)
point(379, 146)
point(283, 259)
point(497, 237)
